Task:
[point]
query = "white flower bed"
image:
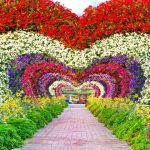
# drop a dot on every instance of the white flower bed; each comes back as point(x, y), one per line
point(21, 42)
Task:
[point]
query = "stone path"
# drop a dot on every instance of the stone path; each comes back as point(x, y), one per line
point(75, 129)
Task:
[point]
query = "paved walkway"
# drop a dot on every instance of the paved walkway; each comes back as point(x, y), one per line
point(75, 129)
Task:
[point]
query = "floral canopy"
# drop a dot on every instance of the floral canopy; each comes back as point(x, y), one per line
point(44, 47)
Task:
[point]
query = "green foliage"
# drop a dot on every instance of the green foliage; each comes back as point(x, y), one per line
point(57, 108)
point(41, 116)
point(51, 111)
point(97, 112)
point(54, 109)
point(38, 118)
point(1, 122)
point(139, 142)
point(24, 127)
point(35, 116)
point(63, 103)
point(48, 117)
point(9, 138)
point(125, 125)
point(46, 114)
point(93, 107)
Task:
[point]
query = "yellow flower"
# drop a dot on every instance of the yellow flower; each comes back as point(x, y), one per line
point(4, 96)
point(136, 96)
point(148, 116)
point(4, 118)
point(18, 94)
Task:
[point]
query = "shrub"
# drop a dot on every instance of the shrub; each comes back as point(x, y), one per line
point(51, 111)
point(9, 138)
point(97, 112)
point(140, 142)
point(36, 114)
point(1, 122)
point(57, 108)
point(38, 118)
point(93, 108)
point(24, 127)
point(46, 114)
point(125, 123)
point(63, 103)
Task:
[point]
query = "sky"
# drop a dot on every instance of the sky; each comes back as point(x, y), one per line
point(78, 6)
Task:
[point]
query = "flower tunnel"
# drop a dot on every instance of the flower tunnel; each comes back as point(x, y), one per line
point(112, 76)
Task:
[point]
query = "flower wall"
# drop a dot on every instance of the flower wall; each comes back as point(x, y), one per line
point(118, 76)
point(114, 39)
point(57, 22)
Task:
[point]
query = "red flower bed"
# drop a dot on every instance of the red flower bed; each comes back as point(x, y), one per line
point(55, 21)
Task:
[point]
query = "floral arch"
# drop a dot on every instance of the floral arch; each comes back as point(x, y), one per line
point(43, 42)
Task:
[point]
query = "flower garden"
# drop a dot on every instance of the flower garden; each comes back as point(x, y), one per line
point(126, 119)
point(45, 48)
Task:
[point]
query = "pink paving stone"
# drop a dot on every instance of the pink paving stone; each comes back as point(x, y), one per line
point(75, 129)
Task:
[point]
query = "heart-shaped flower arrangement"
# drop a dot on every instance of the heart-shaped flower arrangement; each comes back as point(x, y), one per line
point(117, 76)
point(53, 20)
point(117, 71)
